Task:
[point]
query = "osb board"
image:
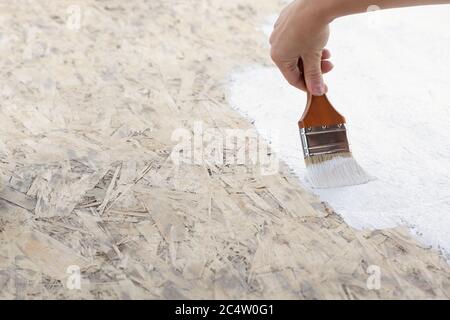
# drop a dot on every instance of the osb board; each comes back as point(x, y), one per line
point(86, 122)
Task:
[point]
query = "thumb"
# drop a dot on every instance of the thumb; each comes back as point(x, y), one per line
point(312, 70)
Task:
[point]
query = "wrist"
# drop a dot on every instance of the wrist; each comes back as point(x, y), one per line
point(323, 11)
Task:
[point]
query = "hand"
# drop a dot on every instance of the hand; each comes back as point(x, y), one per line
point(298, 41)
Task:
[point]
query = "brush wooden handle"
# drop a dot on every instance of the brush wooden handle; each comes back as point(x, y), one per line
point(319, 112)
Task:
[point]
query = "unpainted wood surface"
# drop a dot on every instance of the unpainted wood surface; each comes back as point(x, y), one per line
point(87, 117)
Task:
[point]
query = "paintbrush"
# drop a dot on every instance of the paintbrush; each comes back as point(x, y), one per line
point(329, 162)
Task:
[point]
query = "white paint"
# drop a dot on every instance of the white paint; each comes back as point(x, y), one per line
point(392, 83)
point(337, 171)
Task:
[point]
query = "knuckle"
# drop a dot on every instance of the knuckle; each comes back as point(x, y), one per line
point(293, 82)
point(276, 54)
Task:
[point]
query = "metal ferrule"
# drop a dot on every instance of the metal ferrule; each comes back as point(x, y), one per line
point(324, 140)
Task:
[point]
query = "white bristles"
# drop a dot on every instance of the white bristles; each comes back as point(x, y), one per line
point(335, 170)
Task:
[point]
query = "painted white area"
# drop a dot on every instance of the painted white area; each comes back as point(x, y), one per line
point(392, 82)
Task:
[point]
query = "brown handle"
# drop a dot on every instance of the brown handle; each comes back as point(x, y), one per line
point(319, 112)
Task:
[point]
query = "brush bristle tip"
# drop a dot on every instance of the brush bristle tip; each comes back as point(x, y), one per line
point(335, 170)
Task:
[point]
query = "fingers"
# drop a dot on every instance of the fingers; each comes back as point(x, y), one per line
point(306, 74)
point(326, 54)
point(312, 68)
point(292, 74)
point(326, 66)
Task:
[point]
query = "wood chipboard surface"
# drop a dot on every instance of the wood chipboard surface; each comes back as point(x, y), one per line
point(87, 117)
